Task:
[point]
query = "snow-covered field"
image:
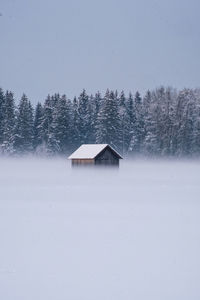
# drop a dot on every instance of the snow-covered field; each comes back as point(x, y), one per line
point(99, 235)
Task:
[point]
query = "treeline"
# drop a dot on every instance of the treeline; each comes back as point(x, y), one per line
point(162, 123)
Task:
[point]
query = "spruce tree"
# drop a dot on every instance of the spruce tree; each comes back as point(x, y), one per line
point(2, 110)
point(185, 122)
point(23, 141)
point(129, 122)
point(8, 124)
point(75, 134)
point(122, 103)
point(108, 125)
point(97, 106)
point(83, 113)
point(61, 125)
point(38, 127)
point(47, 122)
point(91, 112)
point(138, 134)
point(150, 144)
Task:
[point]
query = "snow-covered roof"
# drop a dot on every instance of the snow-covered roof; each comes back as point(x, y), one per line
point(89, 151)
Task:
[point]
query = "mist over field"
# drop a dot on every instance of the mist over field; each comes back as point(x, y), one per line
point(127, 233)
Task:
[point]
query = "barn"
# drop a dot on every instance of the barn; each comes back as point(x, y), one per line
point(95, 154)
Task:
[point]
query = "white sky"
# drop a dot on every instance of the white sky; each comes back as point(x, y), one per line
point(50, 46)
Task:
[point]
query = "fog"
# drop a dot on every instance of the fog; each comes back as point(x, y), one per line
point(99, 234)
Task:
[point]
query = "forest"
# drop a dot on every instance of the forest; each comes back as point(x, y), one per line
point(163, 122)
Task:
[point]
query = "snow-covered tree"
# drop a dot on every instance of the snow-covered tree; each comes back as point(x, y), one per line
point(84, 117)
point(150, 144)
point(23, 140)
point(75, 134)
point(8, 124)
point(108, 125)
point(138, 132)
point(185, 118)
point(38, 127)
point(2, 109)
point(163, 123)
point(47, 123)
point(61, 125)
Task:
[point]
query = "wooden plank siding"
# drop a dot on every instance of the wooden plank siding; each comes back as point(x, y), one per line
point(76, 162)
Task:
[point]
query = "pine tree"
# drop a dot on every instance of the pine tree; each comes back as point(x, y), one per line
point(108, 124)
point(123, 119)
point(75, 134)
point(8, 124)
point(38, 127)
point(168, 115)
point(101, 131)
point(97, 106)
point(23, 141)
point(83, 112)
point(91, 112)
point(185, 122)
point(47, 123)
point(54, 100)
point(150, 145)
point(61, 125)
point(122, 103)
point(2, 110)
point(138, 134)
point(158, 120)
point(196, 132)
point(130, 122)
point(196, 138)
point(51, 143)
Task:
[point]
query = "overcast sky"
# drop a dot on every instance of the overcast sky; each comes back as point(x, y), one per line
point(49, 46)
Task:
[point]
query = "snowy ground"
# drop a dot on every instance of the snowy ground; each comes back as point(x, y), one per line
point(107, 235)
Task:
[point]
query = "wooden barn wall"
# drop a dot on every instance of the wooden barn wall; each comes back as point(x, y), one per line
point(107, 157)
point(82, 162)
